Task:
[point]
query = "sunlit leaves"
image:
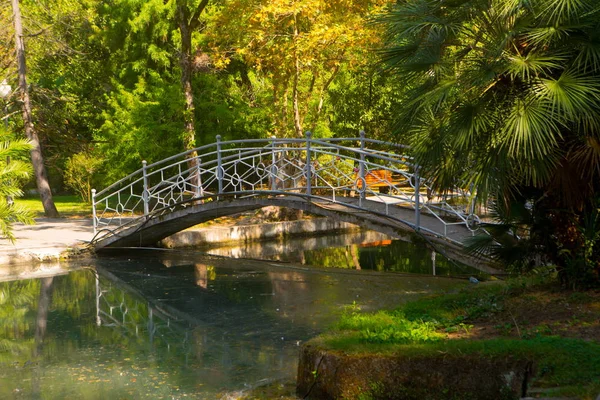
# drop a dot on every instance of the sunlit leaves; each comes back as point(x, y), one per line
point(561, 11)
point(570, 95)
point(13, 175)
point(528, 130)
point(287, 41)
point(532, 65)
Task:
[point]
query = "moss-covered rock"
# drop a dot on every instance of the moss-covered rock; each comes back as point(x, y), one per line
point(330, 374)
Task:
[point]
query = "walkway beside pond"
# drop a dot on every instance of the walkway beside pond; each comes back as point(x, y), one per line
point(47, 240)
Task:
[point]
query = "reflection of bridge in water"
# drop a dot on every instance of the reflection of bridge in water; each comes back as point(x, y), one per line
point(121, 306)
point(213, 349)
point(357, 180)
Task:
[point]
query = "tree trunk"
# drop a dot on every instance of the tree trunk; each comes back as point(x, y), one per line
point(322, 97)
point(297, 122)
point(37, 159)
point(186, 25)
point(185, 63)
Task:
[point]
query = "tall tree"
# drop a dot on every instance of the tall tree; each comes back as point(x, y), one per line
point(188, 20)
point(37, 159)
point(165, 32)
point(68, 77)
point(155, 43)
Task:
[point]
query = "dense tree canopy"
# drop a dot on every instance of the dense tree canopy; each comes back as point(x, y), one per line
point(131, 80)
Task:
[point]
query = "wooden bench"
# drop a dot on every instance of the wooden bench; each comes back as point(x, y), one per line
point(380, 179)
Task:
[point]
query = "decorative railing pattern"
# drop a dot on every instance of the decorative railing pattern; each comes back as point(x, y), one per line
point(335, 169)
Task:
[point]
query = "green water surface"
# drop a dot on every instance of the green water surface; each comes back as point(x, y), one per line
point(180, 324)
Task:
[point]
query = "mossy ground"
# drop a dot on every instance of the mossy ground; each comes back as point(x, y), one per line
point(559, 330)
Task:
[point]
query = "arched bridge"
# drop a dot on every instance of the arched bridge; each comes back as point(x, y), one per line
point(358, 180)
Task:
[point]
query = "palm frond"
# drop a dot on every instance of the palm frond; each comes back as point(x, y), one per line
point(570, 95)
point(9, 214)
point(588, 57)
point(545, 35)
point(528, 130)
point(531, 65)
point(561, 11)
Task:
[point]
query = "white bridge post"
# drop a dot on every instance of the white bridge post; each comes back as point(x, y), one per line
point(361, 170)
point(308, 165)
point(145, 193)
point(199, 191)
point(417, 199)
point(273, 165)
point(220, 171)
point(94, 209)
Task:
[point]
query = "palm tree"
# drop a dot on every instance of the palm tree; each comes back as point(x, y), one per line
point(12, 176)
point(504, 95)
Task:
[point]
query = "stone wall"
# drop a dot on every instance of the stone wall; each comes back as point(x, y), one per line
point(246, 233)
point(327, 374)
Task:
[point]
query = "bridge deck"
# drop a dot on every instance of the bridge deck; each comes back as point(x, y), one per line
point(393, 220)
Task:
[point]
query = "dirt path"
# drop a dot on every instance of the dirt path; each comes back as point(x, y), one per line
point(47, 240)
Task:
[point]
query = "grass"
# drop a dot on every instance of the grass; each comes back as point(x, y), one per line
point(69, 206)
point(518, 319)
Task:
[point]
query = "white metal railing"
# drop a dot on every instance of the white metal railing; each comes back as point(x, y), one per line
point(336, 169)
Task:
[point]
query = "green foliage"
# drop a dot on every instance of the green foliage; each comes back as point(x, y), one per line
point(69, 75)
point(142, 123)
point(79, 174)
point(14, 171)
point(505, 96)
point(491, 98)
point(531, 237)
point(364, 99)
point(107, 77)
point(299, 48)
point(582, 258)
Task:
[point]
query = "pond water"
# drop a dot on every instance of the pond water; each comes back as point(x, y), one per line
point(182, 324)
point(365, 250)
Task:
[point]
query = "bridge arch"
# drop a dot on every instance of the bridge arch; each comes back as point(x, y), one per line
point(155, 229)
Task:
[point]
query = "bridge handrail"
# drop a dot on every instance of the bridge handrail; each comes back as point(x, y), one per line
point(266, 161)
point(269, 142)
